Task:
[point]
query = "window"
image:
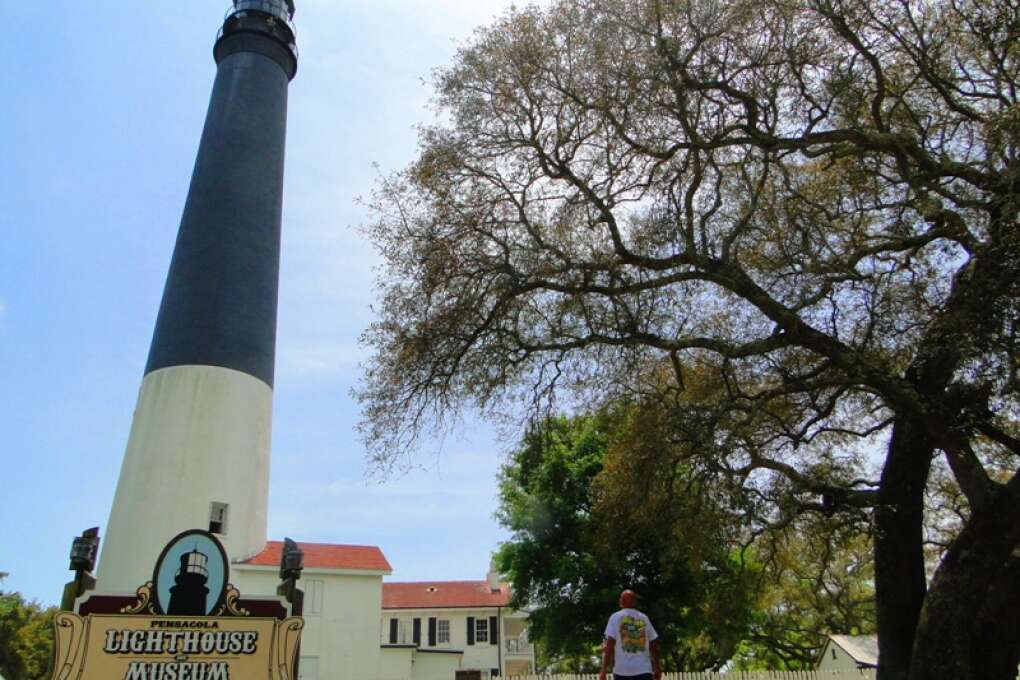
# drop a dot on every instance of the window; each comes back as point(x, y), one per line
point(443, 631)
point(313, 596)
point(405, 632)
point(481, 630)
point(218, 518)
point(494, 673)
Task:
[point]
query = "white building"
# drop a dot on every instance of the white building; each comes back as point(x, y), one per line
point(343, 595)
point(849, 653)
point(444, 625)
point(359, 628)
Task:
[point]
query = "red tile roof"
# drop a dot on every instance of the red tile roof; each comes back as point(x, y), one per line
point(443, 594)
point(325, 556)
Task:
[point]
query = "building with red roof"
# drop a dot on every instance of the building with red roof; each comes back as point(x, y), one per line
point(343, 596)
point(357, 626)
point(325, 557)
point(474, 619)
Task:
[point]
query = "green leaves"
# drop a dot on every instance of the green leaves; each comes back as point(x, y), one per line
point(627, 497)
point(575, 546)
point(26, 638)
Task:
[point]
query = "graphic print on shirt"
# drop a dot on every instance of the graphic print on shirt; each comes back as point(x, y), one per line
point(632, 634)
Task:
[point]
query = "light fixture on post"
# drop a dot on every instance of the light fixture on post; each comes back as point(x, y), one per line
point(84, 550)
point(292, 562)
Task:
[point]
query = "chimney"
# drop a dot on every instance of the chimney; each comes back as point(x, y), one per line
point(493, 578)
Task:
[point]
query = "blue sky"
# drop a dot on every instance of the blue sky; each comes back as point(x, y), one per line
point(101, 110)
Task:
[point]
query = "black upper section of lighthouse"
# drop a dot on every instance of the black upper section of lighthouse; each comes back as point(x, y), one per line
point(219, 303)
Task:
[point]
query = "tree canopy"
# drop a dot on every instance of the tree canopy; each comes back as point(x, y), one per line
point(817, 579)
point(578, 540)
point(810, 204)
point(26, 638)
point(603, 501)
point(805, 576)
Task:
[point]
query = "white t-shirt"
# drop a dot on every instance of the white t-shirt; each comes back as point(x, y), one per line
point(633, 632)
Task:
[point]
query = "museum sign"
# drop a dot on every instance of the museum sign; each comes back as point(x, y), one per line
point(187, 623)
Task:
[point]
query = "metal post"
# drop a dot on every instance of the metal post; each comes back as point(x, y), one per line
point(292, 562)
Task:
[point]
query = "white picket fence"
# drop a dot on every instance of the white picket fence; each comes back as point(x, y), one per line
point(734, 675)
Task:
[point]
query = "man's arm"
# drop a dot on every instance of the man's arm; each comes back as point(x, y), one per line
point(608, 656)
point(653, 647)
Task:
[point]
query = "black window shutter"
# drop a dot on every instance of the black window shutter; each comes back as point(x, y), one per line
point(432, 631)
point(416, 632)
point(471, 630)
point(493, 630)
point(393, 631)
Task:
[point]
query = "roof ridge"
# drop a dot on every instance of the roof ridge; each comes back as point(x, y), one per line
point(334, 545)
point(325, 556)
point(414, 583)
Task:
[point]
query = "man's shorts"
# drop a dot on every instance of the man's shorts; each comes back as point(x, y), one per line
point(643, 676)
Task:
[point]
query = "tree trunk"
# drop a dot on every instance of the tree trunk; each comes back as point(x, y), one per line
point(996, 638)
point(899, 549)
point(963, 585)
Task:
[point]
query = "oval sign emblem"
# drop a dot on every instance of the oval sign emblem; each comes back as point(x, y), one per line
point(191, 573)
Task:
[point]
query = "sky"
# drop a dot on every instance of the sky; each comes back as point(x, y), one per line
point(101, 108)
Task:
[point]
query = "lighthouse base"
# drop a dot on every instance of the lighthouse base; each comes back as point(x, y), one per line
point(197, 456)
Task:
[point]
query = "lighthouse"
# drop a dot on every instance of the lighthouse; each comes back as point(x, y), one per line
point(198, 453)
point(189, 592)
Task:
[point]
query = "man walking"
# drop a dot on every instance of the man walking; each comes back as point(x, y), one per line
point(631, 648)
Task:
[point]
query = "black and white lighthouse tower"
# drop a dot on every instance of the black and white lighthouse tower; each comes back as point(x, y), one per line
point(199, 448)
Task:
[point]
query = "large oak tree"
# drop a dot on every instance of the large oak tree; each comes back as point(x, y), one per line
point(812, 202)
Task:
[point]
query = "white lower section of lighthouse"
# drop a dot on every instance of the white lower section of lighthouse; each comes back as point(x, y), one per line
point(197, 458)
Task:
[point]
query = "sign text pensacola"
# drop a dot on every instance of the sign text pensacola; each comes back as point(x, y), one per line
point(170, 648)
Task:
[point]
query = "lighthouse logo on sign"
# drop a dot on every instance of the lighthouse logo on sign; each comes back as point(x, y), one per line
point(190, 577)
